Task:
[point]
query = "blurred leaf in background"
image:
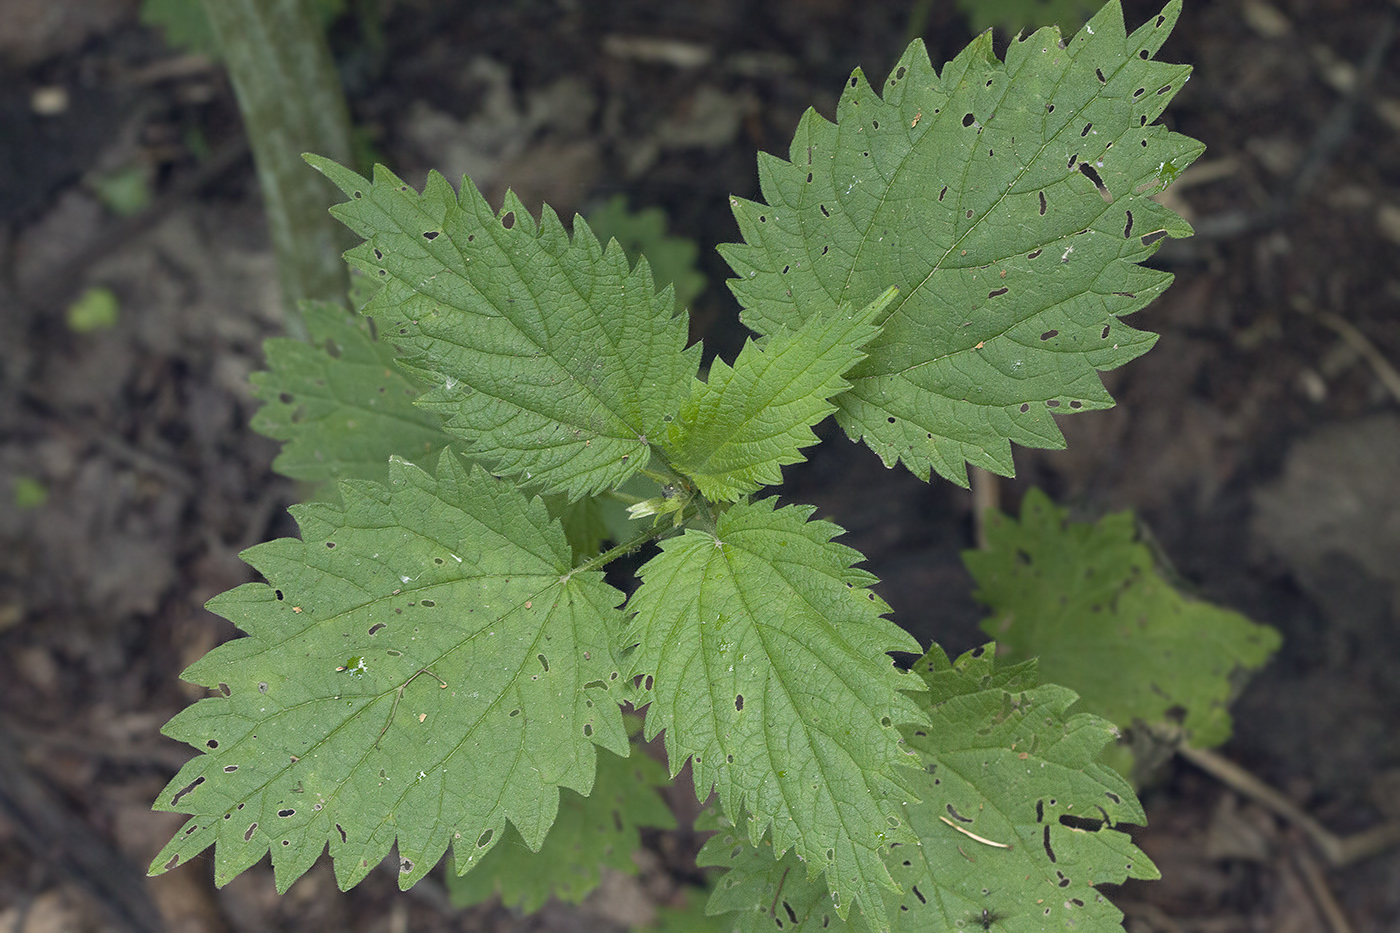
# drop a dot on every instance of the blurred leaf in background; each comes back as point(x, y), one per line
point(125, 191)
point(643, 233)
point(95, 309)
point(29, 493)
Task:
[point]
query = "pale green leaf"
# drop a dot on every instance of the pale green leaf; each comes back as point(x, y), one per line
point(340, 402)
point(591, 833)
point(1089, 603)
point(746, 421)
point(421, 666)
point(553, 358)
point(973, 193)
point(763, 653)
point(1016, 826)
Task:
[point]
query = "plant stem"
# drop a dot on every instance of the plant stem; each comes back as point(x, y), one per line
point(613, 553)
point(291, 99)
point(622, 497)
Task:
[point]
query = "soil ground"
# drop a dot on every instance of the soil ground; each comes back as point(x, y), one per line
point(1260, 439)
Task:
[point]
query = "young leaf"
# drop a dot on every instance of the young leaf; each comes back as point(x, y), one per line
point(763, 654)
point(1016, 824)
point(421, 666)
point(1009, 203)
point(340, 402)
point(551, 356)
point(591, 832)
point(1088, 602)
point(747, 421)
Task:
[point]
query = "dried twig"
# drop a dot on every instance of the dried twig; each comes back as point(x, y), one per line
point(1385, 372)
point(1320, 892)
point(1339, 851)
point(986, 496)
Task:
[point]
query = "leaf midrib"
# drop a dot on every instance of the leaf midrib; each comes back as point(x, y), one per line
point(977, 223)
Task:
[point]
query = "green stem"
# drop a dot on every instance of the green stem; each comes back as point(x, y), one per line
point(661, 479)
point(627, 547)
point(292, 102)
point(708, 513)
point(622, 497)
point(660, 470)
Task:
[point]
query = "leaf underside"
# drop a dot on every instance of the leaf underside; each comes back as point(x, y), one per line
point(1089, 603)
point(1010, 204)
point(339, 403)
point(763, 654)
point(1033, 819)
point(552, 357)
point(418, 645)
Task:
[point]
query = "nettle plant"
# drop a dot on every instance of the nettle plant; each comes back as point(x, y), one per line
point(439, 662)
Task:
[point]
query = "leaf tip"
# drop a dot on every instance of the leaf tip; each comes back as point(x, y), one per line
point(347, 180)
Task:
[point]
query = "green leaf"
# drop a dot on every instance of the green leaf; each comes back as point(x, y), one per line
point(340, 402)
point(1016, 826)
point(1089, 603)
point(421, 666)
point(763, 654)
point(769, 893)
point(591, 833)
point(1008, 764)
point(745, 422)
point(548, 354)
point(973, 192)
